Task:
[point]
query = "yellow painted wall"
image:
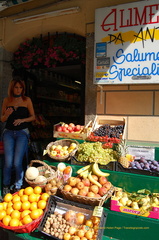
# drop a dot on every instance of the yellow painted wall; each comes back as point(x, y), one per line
point(138, 103)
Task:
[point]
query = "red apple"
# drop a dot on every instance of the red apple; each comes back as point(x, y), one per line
point(86, 182)
point(102, 191)
point(102, 180)
point(77, 128)
point(97, 195)
point(59, 129)
point(70, 129)
point(72, 125)
point(66, 125)
point(64, 128)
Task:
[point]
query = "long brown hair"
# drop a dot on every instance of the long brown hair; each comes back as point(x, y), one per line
point(12, 85)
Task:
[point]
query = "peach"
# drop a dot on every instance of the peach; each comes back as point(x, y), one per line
point(74, 190)
point(82, 192)
point(94, 188)
point(91, 194)
point(67, 188)
point(72, 181)
point(86, 182)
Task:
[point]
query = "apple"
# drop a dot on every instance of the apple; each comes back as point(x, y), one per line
point(86, 189)
point(72, 125)
point(59, 129)
point(66, 125)
point(63, 128)
point(102, 180)
point(102, 191)
point(77, 128)
point(70, 129)
point(86, 182)
point(97, 195)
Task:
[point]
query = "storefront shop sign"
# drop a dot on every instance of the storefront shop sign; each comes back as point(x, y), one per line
point(126, 44)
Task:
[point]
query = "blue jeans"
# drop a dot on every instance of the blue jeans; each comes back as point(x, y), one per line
point(15, 148)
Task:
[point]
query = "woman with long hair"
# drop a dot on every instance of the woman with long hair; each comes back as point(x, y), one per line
point(17, 112)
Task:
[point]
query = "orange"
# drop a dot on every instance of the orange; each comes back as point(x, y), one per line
point(42, 204)
point(10, 204)
point(1, 206)
point(6, 220)
point(15, 214)
point(32, 197)
point(2, 214)
point(24, 213)
point(27, 219)
point(16, 198)
point(14, 222)
point(37, 190)
point(20, 223)
point(34, 214)
point(25, 205)
point(40, 211)
point(5, 205)
point(8, 197)
point(28, 190)
point(33, 206)
point(21, 191)
point(38, 197)
point(24, 198)
point(17, 205)
point(9, 210)
point(44, 196)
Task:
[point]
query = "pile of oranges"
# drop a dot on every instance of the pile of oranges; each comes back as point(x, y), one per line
point(23, 207)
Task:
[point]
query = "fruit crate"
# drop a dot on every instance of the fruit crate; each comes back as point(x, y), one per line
point(120, 168)
point(112, 123)
point(73, 135)
point(57, 204)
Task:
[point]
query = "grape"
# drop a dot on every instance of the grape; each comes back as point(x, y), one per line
point(91, 152)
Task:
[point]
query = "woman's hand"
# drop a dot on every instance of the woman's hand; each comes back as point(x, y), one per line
point(18, 122)
point(8, 112)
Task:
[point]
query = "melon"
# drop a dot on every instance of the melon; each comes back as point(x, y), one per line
point(32, 173)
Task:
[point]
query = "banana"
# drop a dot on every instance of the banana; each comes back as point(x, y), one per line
point(84, 174)
point(84, 168)
point(92, 180)
point(98, 172)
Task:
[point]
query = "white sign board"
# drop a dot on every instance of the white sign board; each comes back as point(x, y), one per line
point(137, 152)
point(127, 43)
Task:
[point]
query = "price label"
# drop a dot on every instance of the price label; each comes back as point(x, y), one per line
point(98, 211)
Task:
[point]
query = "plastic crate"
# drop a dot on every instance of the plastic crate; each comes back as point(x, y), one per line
point(65, 205)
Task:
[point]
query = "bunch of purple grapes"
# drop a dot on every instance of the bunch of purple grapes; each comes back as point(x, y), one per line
point(143, 164)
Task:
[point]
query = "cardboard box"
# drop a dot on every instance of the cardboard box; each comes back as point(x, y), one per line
point(102, 120)
point(73, 135)
point(150, 214)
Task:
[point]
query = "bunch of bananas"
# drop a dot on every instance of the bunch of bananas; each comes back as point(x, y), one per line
point(87, 171)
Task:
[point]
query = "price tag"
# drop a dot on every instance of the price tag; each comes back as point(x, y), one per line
point(98, 211)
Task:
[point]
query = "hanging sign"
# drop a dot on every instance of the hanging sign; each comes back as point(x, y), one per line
point(126, 44)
